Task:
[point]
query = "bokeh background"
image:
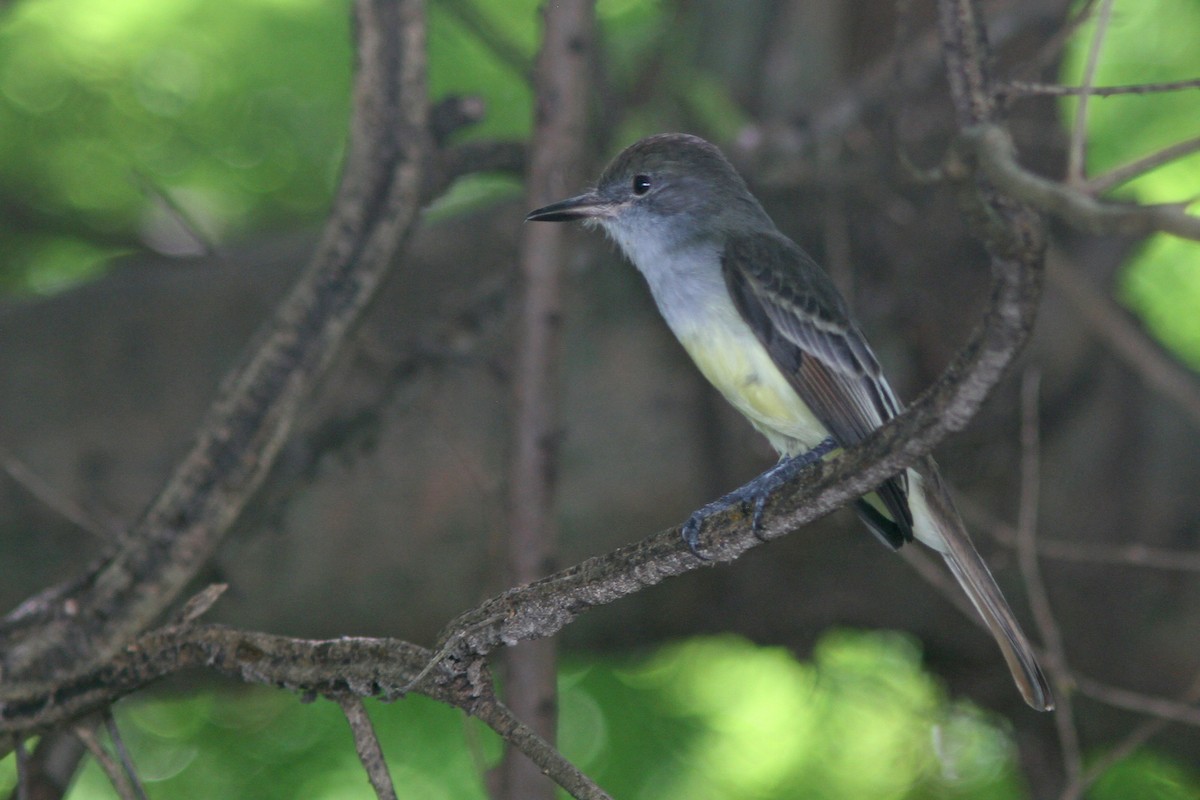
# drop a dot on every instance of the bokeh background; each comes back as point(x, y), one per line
point(164, 170)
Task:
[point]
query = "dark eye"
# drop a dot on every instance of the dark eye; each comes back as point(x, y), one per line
point(641, 184)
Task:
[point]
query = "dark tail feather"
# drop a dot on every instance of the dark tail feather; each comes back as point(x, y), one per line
point(973, 575)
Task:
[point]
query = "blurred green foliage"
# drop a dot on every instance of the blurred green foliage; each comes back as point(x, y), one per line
point(706, 718)
point(127, 124)
point(235, 111)
point(1149, 41)
point(113, 111)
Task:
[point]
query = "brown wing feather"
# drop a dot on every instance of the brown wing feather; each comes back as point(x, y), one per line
point(798, 315)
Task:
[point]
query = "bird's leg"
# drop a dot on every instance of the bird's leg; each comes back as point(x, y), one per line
point(755, 492)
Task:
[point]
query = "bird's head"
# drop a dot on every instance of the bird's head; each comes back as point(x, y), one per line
point(671, 184)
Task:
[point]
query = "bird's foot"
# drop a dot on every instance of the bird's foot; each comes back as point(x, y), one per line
point(753, 495)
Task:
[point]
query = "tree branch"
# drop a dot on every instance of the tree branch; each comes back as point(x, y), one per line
point(361, 666)
point(89, 619)
point(500, 719)
point(992, 147)
point(967, 60)
point(1140, 166)
point(1188, 714)
point(1028, 89)
point(122, 782)
point(366, 744)
point(556, 154)
point(1055, 656)
point(1123, 555)
point(544, 607)
point(1126, 747)
point(349, 666)
point(86, 519)
point(1115, 327)
point(1076, 148)
point(1014, 238)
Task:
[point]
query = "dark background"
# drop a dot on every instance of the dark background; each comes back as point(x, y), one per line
point(384, 515)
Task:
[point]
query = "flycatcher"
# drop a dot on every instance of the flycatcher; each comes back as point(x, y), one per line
point(767, 327)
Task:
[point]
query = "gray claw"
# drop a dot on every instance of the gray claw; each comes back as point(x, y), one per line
point(691, 533)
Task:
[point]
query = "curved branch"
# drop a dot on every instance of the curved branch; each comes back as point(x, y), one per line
point(992, 147)
point(90, 619)
point(360, 666)
point(338, 668)
point(1014, 239)
point(544, 607)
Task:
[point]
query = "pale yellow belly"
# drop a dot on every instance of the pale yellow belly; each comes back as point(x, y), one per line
point(740, 368)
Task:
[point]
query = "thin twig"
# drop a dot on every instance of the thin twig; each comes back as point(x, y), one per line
point(1125, 555)
point(1050, 52)
point(1186, 713)
point(180, 215)
point(1131, 555)
point(114, 733)
point(936, 576)
point(476, 22)
point(1138, 167)
point(1035, 587)
point(1116, 328)
point(22, 758)
point(366, 744)
point(199, 603)
point(992, 146)
point(87, 520)
point(1079, 131)
point(1125, 748)
point(116, 776)
point(500, 719)
point(1030, 89)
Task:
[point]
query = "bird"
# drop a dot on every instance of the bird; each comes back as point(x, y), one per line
point(766, 326)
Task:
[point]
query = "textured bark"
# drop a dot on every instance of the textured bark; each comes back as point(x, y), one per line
point(379, 507)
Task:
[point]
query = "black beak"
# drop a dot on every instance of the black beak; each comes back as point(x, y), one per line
point(582, 207)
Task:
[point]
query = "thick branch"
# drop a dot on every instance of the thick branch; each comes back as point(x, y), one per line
point(544, 607)
point(1014, 239)
point(968, 61)
point(993, 148)
point(340, 668)
point(363, 667)
point(91, 618)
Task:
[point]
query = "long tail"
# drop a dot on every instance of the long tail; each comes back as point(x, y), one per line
point(937, 524)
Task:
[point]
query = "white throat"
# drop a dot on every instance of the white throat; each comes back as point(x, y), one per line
point(684, 273)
